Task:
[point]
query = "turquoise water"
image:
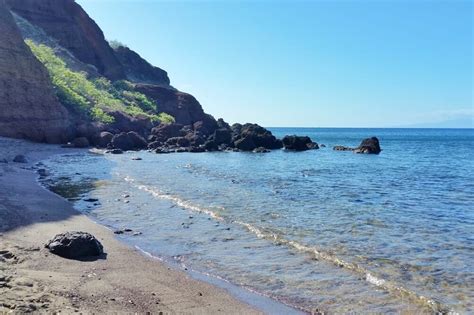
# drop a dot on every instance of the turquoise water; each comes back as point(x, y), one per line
point(321, 230)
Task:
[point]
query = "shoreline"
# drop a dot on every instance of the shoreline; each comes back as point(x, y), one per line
point(32, 279)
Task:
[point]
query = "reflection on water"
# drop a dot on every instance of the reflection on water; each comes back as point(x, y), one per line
point(319, 229)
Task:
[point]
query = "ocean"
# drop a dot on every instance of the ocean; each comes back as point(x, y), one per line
point(320, 230)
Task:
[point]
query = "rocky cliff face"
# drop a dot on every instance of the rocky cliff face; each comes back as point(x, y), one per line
point(138, 69)
point(68, 23)
point(28, 107)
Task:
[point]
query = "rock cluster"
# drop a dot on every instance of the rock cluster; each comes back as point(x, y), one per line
point(367, 146)
point(298, 143)
point(75, 245)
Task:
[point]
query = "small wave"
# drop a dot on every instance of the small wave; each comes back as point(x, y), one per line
point(276, 238)
point(155, 192)
point(381, 283)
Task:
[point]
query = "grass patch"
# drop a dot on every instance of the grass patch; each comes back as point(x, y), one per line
point(94, 98)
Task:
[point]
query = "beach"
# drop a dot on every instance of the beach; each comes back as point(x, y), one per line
point(32, 279)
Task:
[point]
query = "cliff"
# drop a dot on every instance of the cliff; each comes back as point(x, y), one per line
point(28, 106)
point(67, 22)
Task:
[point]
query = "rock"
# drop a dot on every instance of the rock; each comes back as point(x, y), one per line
point(4, 161)
point(80, 142)
point(74, 30)
point(222, 136)
point(135, 158)
point(210, 145)
point(342, 148)
point(20, 159)
point(162, 150)
point(128, 141)
point(29, 108)
point(322, 145)
point(250, 136)
point(177, 141)
point(42, 172)
point(163, 132)
point(91, 199)
point(75, 245)
point(261, 150)
point(369, 146)
point(298, 143)
point(197, 149)
point(245, 144)
point(115, 151)
point(104, 139)
point(139, 70)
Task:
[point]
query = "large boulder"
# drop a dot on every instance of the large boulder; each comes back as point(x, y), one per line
point(104, 139)
point(222, 136)
point(163, 132)
point(80, 142)
point(128, 141)
point(250, 136)
point(299, 143)
point(75, 245)
point(245, 144)
point(369, 146)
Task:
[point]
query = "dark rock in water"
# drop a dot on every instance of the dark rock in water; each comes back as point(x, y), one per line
point(298, 143)
point(20, 159)
point(342, 148)
point(128, 141)
point(250, 136)
point(245, 144)
point(369, 146)
point(197, 149)
point(135, 158)
point(222, 136)
point(91, 199)
point(162, 151)
point(42, 172)
point(80, 142)
point(322, 145)
point(114, 151)
point(104, 139)
point(210, 145)
point(260, 150)
point(75, 245)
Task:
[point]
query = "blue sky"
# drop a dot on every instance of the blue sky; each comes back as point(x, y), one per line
point(308, 63)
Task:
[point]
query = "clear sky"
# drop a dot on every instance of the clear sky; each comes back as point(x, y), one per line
point(308, 63)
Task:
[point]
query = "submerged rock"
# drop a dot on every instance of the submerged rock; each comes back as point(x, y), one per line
point(342, 148)
point(75, 245)
point(299, 143)
point(20, 159)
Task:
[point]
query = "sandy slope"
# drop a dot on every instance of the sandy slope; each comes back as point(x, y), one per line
point(126, 281)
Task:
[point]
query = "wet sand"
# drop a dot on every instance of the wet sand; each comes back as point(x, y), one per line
point(126, 281)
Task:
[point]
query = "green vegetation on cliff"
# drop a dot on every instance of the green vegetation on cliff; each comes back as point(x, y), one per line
point(94, 97)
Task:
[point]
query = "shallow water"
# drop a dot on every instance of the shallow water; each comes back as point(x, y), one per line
point(321, 230)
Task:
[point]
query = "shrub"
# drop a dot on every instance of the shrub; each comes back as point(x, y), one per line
point(93, 98)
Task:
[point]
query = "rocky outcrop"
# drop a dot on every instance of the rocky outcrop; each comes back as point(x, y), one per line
point(75, 245)
point(138, 69)
point(369, 146)
point(68, 23)
point(248, 137)
point(298, 143)
point(28, 106)
point(128, 141)
point(185, 109)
